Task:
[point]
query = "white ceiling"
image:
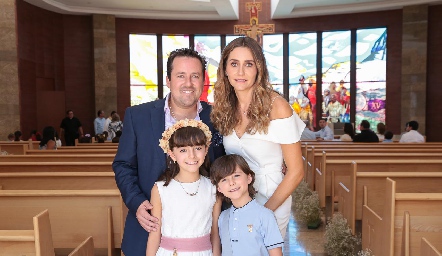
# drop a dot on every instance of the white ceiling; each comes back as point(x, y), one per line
point(217, 9)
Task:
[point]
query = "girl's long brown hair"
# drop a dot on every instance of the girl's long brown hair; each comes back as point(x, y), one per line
point(224, 112)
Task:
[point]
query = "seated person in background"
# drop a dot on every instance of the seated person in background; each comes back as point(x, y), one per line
point(48, 140)
point(349, 132)
point(38, 136)
point(366, 134)
point(412, 135)
point(388, 136)
point(11, 137)
point(17, 136)
point(380, 131)
point(116, 139)
point(85, 139)
point(325, 133)
point(101, 138)
point(57, 140)
point(307, 134)
point(33, 135)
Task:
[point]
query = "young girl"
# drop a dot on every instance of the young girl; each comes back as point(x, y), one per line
point(246, 228)
point(183, 199)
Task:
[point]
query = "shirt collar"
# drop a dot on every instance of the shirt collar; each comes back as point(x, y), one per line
point(167, 109)
point(244, 207)
point(169, 120)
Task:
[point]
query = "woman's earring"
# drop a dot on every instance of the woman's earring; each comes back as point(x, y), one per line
point(226, 74)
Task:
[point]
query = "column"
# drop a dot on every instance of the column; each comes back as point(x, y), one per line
point(105, 63)
point(414, 64)
point(9, 86)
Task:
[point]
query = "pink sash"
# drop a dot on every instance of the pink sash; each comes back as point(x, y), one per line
point(196, 244)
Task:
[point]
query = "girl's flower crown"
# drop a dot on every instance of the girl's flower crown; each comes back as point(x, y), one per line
point(164, 141)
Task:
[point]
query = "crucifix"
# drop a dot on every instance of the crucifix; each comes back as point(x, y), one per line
point(254, 29)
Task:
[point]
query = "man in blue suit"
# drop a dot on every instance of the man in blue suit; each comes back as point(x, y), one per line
point(140, 161)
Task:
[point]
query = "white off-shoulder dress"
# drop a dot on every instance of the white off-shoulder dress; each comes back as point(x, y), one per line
point(263, 153)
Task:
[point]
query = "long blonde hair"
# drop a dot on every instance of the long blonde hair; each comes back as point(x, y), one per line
point(224, 112)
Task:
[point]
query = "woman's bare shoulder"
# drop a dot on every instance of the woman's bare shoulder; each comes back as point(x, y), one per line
point(280, 107)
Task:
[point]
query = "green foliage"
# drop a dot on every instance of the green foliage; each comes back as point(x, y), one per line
point(338, 238)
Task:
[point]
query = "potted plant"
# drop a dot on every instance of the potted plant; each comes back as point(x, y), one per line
point(306, 206)
point(339, 240)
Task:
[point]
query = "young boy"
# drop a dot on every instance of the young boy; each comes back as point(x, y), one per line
point(246, 228)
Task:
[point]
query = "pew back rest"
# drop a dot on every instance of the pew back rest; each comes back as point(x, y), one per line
point(86, 248)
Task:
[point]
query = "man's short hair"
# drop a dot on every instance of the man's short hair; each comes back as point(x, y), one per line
point(413, 124)
point(365, 124)
point(388, 135)
point(99, 112)
point(185, 52)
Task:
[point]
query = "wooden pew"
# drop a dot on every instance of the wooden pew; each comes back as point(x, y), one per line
point(91, 146)
point(36, 241)
point(55, 167)
point(427, 249)
point(15, 149)
point(333, 170)
point(86, 248)
point(71, 151)
point(425, 220)
point(57, 180)
point(319, 159)
point(351, 195)
point(311, 149)
point(412, 233)
point(75, 214)
point(58, 158)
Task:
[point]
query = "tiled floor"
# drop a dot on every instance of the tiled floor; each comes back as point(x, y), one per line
point(303, 241)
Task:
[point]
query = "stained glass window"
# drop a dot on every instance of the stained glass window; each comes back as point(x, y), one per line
point(143, 69)
point(371, 67)
point(170, 43)
point(336, 50)
point(272, 47)
point(302, 75)
point(209, 47)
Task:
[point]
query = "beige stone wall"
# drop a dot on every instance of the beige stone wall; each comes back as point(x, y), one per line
point(414, 65)
point(105, 63)
point(9, 87)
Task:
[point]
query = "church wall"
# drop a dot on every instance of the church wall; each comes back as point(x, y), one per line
point(434, 79)
point(55, 68)
point(56, 54)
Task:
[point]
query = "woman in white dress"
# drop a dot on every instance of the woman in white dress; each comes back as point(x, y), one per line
point(258, 124)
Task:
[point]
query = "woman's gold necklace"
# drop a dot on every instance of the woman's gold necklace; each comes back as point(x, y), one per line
point(190, 194)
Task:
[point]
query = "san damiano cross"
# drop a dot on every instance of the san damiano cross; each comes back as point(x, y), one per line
point(254, 29)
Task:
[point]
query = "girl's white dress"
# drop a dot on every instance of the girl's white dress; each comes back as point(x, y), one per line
point(185, 216)
point(263, 153)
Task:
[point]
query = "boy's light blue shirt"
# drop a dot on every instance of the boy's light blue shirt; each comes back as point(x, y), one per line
point(249, 230)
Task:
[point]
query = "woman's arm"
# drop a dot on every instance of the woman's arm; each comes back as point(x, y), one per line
point(153, 243)
point(214, 237)
point(292, 157)
point(292, 177)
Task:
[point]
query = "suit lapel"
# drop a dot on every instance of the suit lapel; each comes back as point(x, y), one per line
point(157, 119)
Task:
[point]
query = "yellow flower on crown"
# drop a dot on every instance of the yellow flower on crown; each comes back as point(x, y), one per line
point(164, 141)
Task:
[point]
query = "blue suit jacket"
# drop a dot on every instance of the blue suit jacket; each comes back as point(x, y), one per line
point(140, 161)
